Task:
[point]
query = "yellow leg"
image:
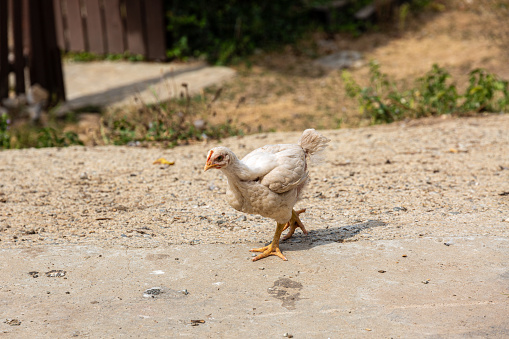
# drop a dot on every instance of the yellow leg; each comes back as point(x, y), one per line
point(294, 223)
point(273, 248)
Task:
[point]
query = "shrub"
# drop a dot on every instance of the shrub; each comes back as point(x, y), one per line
point(224, 30)
point(433, 94)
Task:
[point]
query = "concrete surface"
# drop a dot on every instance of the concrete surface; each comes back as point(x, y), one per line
point(117, 83)
point(408, 238)
point(381, 289)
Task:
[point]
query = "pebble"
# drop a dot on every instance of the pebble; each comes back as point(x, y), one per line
point(152, 292)
point(12, 322)
point(56, 273)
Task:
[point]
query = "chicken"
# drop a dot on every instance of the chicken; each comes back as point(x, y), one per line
point(269, 181)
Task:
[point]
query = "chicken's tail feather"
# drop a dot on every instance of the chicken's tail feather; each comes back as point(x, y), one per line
point(313, 142)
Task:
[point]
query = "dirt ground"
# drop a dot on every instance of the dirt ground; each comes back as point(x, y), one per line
point(419, 173)
point(287, 91)
point(408, 223)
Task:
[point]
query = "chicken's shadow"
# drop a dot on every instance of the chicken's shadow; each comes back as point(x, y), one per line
point(325, 236)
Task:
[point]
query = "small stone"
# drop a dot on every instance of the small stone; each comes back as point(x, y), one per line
point(34, 274)
point(340, 60)
point(152, 292)
point(12, 322)
point(56, 273)
point(288, 335)
point(200, 124)
point(84, 176)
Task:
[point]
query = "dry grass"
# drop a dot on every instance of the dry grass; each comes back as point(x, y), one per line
point(285, 91)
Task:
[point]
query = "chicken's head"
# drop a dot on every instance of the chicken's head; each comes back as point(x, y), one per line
point(219, 157)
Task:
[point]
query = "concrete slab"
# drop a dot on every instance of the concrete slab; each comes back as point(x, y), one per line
point(117, 83)
point(403, 288)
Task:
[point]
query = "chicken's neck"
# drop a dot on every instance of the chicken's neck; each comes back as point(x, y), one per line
point(237, 171)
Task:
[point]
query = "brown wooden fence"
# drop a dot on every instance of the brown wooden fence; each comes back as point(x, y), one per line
point(32, 43)
point(112, 26)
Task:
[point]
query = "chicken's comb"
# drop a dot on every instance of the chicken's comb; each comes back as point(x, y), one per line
point(210, 155)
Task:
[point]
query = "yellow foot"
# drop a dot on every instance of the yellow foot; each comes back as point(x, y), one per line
point(294, 223)
point(266, 251)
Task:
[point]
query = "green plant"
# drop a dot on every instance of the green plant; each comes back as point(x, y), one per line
point(224, 31)
point(5, 136)
point(381, 101)
point(485, 93)
point(89, 56)
point(50, 137)
point(436, 95)
point(433, 94)
point(167, 123)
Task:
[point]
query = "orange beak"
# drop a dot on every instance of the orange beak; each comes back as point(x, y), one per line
point(209, 166)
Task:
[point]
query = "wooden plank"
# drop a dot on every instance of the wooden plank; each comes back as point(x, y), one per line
point(114, 27)
point(19, 57)
point(26, 27)
point(134, 25)
point(4, 51)
point(156, 31)
point(94, 27)
point(75, 26)
point(59, 25)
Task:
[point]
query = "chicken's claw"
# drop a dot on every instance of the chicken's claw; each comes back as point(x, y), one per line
point(294, 223)
point(266, 251)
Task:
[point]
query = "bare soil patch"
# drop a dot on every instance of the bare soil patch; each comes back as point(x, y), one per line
point(288, 92)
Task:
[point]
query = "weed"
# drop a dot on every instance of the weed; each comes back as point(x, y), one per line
point(89, 56)
point(436, 96)
point(433, 94)
point(5, 136)
point(167, 123)
point(485, 93)
point(50, 137)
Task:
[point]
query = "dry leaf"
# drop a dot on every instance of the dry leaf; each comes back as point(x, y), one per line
point(163, 161)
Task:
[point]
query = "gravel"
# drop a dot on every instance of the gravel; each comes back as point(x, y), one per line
point(404, 180)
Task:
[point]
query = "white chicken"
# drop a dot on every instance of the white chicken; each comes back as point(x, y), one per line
point(268, 181)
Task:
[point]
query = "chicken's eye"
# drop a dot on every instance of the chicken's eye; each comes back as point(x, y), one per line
point(220, 158)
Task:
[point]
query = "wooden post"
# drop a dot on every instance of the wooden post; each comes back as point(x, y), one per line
point(19, 56)
point(4, 51)
point(45, 61)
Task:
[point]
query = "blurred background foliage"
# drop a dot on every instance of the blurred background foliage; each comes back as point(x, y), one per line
point(223, 31)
